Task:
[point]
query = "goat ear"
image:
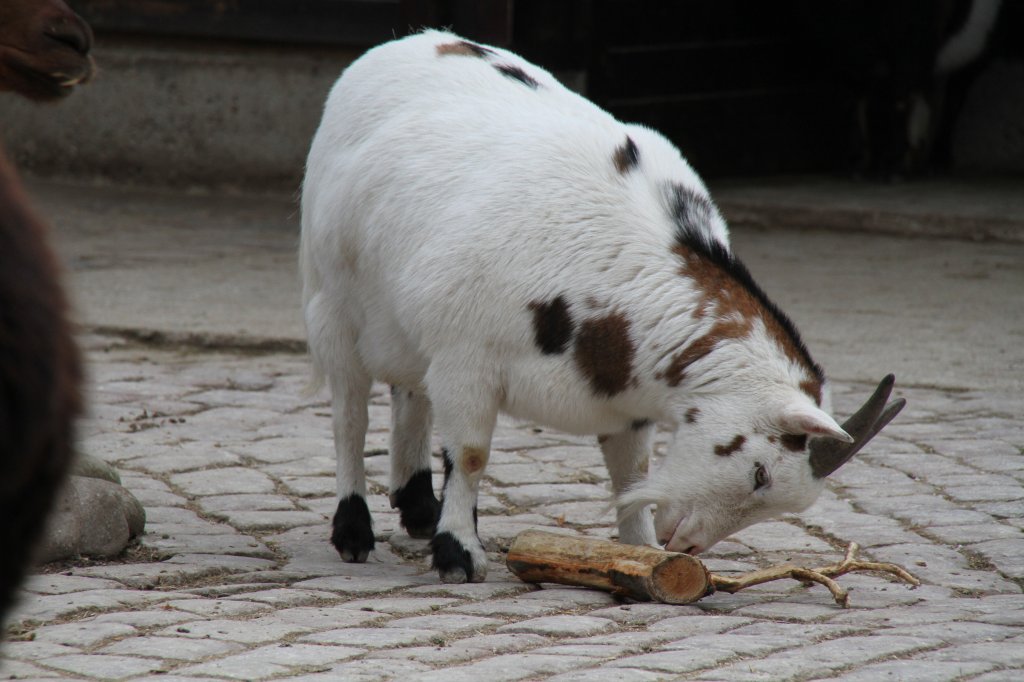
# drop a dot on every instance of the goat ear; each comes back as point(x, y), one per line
point(806, 420)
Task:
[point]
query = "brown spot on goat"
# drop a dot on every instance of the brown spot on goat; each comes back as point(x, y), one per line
point(463, 48)
point(734, 445)
point(473, 459)
point(604, 353)
point(517, 74)
point(626, 157)
point(675, 373)
point(812, 387)
point(552, 325)
point(691, 415)
point(726, 288)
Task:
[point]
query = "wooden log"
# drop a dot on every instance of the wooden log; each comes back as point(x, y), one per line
point(641, 573)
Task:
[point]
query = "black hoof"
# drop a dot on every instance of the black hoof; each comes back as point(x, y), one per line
point(452, 561)
point(419, 508)
point(353, 531)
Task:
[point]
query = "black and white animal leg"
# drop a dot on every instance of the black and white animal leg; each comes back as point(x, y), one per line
point(352, 533)
point(626, 455)
point(411, 489)
point(465, 412)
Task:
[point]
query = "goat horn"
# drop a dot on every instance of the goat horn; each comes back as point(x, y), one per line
point(828, 454)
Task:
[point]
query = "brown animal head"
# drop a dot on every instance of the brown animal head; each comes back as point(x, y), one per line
point(44, 48)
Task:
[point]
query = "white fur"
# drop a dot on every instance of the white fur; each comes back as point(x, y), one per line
point(442, 198)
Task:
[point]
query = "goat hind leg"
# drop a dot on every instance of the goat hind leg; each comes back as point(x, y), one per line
point(352, 528)
point(412, 491)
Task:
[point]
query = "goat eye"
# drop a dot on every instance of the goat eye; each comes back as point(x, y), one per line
point(761, 477)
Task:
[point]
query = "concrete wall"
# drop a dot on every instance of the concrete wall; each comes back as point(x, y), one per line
point(180, 114)
point(207, 114)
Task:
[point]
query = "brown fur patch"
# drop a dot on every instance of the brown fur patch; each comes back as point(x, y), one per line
point(734, 446)
point(604, 353)
point(726, 295)
point(691, 415)
point(552, 325)
point(793, 442)
point(721, 330)
point(473, 459)
point(463, 48)
point(626, 157)
point(812, 387)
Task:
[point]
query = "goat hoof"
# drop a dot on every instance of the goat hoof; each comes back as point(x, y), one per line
point(352, 533)
point(419, 509)
point(455, 563)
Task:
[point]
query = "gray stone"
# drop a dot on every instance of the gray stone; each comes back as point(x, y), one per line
point(93, 467)
point(92, 517)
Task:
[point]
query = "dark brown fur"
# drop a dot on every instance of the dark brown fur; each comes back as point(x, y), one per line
point(552, 325)
point(43, 53)
point(728, 290)
point(517, 74)
point(735, 445)
point(626, 157)
point(604, 353)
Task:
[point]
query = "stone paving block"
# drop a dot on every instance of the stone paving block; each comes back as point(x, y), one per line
point(184, 457)
point(175, 648)
point(823, 657)
point(367, 670)
point(965, 535)
point(216, 504)
point(674, 662)
point(1006, 554)
point(218, 608)
point(561, 626)
point(375, 638)
point(608, 674)
point(20, 670)
point(145, 619)
point(513, 607)
point(62, 583)
point(448, 623)
point(504, 667)
point(283, 596)
point(181, 543)
point(272, 661)
point(697, 624)
point(915, 671)
point(223, 481)
point(401, 605)
point(271, 520)
point(32, 651)
point(478, 591)
point(104, 666)
point(328, 617)
point(463, 650)
point(53, 606)
point(533, 494)
point(1003, 654)
point(254, 631)
point(570, 596)
point(82, 634)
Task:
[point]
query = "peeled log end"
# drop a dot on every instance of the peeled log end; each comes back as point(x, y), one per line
point(641, 573)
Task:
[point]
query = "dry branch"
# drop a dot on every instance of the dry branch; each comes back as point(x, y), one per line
point(645, 573)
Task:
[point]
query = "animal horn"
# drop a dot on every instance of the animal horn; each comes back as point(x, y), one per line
point(828, 454)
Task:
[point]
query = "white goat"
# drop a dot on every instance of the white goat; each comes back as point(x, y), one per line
point(485, 240)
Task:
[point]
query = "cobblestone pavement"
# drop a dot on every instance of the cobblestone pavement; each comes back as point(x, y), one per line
point(235, 578)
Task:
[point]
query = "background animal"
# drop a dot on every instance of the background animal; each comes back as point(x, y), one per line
point(44, 53)
point(485, 240)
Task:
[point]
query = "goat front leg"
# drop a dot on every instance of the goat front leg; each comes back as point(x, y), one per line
point(466, 408)
point(626, 455)
point(412, 491)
